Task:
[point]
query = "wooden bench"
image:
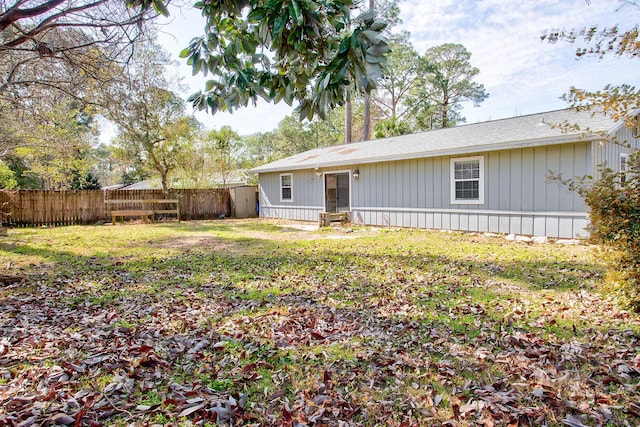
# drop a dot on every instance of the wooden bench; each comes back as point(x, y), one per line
point(145, 212)
point(326, 218)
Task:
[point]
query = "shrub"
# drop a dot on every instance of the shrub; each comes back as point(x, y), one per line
point(7, 177)
point(614, 200)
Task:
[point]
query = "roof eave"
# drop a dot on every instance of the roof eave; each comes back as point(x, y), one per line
point(621, 123)
point(562, 139)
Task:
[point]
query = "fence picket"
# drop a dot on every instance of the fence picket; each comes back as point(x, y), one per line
point(28, 208)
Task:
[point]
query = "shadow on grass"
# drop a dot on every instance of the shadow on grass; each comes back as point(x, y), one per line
point(289, 305)
point(241, 259)
point(226, 226)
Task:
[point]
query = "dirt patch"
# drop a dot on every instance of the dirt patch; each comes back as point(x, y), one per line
point(300, 227)
point(191, 241)
point(266, 229)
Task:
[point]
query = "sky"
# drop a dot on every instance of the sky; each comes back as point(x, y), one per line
point(521, 73)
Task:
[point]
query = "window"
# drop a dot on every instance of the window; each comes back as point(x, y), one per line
point(286, 193)
point(636, 127)
point(624, 160)
point(467, 180)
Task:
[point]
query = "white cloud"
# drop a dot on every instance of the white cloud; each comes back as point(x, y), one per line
point(522, 74)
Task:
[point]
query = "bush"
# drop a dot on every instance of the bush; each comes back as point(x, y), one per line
point(7, 177)
point(614, 200)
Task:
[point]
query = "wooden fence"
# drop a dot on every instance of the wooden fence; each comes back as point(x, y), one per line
point(52, 208)
point(37, 207)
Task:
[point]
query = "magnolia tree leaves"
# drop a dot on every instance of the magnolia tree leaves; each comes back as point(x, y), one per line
point(300, 51)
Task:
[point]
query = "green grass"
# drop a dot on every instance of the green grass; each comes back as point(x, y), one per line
point(381, 326)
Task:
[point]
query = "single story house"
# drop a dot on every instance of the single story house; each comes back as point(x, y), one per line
point(485, 177)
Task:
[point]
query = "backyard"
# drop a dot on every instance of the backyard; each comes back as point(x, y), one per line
point(254, 322)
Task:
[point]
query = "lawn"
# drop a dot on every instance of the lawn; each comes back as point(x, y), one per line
point(256, 323)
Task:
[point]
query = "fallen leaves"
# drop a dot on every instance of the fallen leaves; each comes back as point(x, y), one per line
point(379, 330)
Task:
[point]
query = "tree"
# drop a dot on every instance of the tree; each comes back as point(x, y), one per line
point(50, 48)
point(258, 149)
point(158, 137)
point(211, 157)
point(401, 73)
point(304, 51)
point(56, 140)
point(7, 177)
point(39, 37)
point(438, 95)
point(390, 127)
point(150, 117)
point(617, 100)
point(390, 15)
point(613, 201)
point(367, 99)
point(295, 136)
point(87, 182)
point(421, 92)
point(25, 180)
point(330, 131)
point(613, 198)
point(222, 146)
point(105, 167)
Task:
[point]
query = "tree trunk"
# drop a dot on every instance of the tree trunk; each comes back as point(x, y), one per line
point(165, 187)
point(445, 110)
point(347, 117)
point(366, 128)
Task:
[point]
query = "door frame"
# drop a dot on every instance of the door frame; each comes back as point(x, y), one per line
point(324, 185)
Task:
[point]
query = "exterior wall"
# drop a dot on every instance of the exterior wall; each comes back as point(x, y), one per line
point(518, 196)
point(307, 197)
point(608, 154)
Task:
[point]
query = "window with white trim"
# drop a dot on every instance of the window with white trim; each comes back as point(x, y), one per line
point(286, 187)
point(624, 161)
point(467, 180)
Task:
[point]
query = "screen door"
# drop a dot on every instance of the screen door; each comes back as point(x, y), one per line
point(337, 192)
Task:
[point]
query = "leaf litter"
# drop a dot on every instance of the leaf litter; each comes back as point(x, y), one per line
point(380, 330)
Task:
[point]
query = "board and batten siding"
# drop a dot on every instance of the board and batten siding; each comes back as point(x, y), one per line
point(608, 154)
point(518, 196)
point(306, 196)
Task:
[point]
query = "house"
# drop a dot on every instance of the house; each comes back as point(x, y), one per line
point(486, 177)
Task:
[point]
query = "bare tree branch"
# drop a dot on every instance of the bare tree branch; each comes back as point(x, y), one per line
point(14, 14)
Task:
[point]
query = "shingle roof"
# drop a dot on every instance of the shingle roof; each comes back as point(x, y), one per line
point(517, 132)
